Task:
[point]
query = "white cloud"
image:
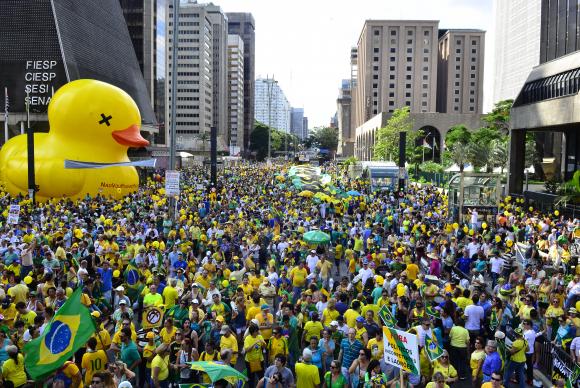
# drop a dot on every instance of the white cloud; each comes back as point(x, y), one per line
point(306, 44)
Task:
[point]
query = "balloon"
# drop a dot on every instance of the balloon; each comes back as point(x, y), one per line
point(400, 250)
point(484, 225)
point(497, 238)
point(471, 232)
point(28, 279)
point(531, 209)
point(465, 229)
point(509, 243)
point(556, 213)
point(225, 283)
point(116, 273)
point(91, 122)
point(455, 225)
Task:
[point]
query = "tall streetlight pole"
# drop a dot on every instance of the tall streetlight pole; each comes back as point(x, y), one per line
point(174, 49)
point(270, 84)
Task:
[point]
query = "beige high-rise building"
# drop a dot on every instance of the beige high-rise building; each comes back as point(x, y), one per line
point(460, 71)
point(397, 67)
point(235, 93)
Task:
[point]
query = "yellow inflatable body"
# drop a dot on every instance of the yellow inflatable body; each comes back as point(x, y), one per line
point(90, 121)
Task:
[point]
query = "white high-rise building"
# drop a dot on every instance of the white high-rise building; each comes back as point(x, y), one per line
point(235, 93)
point(271, 105)
point(201, 76)
point(517, 45)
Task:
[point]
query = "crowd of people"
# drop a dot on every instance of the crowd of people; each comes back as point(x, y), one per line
point(238, 284)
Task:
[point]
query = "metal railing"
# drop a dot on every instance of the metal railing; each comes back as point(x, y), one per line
point(553, 361)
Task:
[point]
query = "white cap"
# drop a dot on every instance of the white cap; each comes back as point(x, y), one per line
point(125, 384)
point(120, 288)
point(122, 301)
point(334, 323)
point(195, 301)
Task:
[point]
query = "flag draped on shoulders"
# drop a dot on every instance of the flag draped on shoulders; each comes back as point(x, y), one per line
point(68, 331)
point(132, 279)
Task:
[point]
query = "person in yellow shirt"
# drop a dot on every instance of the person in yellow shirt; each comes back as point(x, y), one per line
point(170, 294)
point(352, 313)
point(277, 345)
point(160, 366)
point(265, 321)
point(376, 346)
point(312, 328)
point(517, 359)
point(102, 335)
point(253, 345)
point(93, 361)
point(149, 353)
point(412, 270)
point(229, 341)
point(152, 298)
point(464, 300)
point(298, 277)
point(443, 366)
point(167, 334)
point(330, 313)
point(554, 311)
point(246, 286)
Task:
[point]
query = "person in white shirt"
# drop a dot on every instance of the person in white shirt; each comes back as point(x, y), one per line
point(473, 247)
point(474, 315)
point(312, 260)
point(496, 268)
point(530, 336)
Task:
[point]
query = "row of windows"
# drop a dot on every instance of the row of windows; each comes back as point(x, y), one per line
point(187, 90)
point(187, 115)
point(409, 32)
point(559, 85)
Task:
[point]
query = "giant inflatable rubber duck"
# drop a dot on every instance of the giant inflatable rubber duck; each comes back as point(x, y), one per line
point(90, 121)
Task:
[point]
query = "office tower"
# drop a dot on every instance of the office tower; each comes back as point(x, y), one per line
point(545, 102)
point(305, 132)
point(271, 105)
point(62, 41)
point(243, 24)
point(195, 77)
point(345, 135)
point(235, 93)
point(517, 45)
point(146, 24)
point(460, 71)
point(219, 68)
point(297, 122)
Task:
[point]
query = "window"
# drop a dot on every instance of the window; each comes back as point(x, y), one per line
point(425, 86)
point(458, 51)
point(425, 77)
point(472, 67)
point(424, 95)
point(375, 103)
point(425, 51)
point(408, 94)
point(456, 99)
point(424, 103)
point(456, 91)
point(473, 42)
point(375, 68)
point(472, 92)
point(409, 59)
point(375, 111)
point(473, 51)
point(472, 75)
point(472, 100)
point(391, 103)
point(376, 59)
point(391, 94)
point(375, 76)
point(425, 59)
point(456, 83)
point(393, 50)
point(457, 67)
point(410, 32)
point(425, 68)
point(457, 59)
point(471, 109)
point(393, 32)
point(409, 41)
point(392, 76)
point(472, 83)
point(375, 86)
point(409, 50)
point(472, 59)
point(408, 77)
point(409, 68)
point(392, 59)
point(392, 68)
point(375, 94)
point(377, 32)
point(408, 86)
point(376, 50)
point(456, 108)
point(392, 86)
point(456, 75)
point(426, 33)
point(408, 103)
point(393, 41)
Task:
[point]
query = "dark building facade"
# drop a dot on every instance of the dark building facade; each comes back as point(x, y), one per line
point(243, 24)
point(560, 29)
point(546, 103)
point(47, 43)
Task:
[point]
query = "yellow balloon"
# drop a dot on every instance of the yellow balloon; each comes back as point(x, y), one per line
point(400, 250)
point(531, 209)
point(28, 279)
point(484, 225)
point(455, 225)
point(509, 243)
point(497, 238)
point(91, 121)
point(116, 273)
point(471, 232)
point(465, 229)
point(556, 213)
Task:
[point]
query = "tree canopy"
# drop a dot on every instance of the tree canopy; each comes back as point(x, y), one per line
point(387, 138)
point(324, 137)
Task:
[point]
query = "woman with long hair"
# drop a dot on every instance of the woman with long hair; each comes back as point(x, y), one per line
point(476, 361)
point(358, 368)
point(13, 374)
point(334, 377)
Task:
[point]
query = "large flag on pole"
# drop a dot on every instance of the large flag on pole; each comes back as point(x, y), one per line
point(68, 331)
point(432, 348)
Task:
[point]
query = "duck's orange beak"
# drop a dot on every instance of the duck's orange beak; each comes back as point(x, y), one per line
point(130, 137)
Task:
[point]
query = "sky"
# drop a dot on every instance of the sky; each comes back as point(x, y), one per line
point(305, 44)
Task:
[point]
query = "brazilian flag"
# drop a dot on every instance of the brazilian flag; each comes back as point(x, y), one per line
point(432, 348)
point(68, 331)
point(432, 312)
point(132, 280)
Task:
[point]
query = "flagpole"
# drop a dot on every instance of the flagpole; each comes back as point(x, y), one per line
point(5, 114)
point(433, 147)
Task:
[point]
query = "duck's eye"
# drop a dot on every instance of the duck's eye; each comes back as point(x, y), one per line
point(105, 119)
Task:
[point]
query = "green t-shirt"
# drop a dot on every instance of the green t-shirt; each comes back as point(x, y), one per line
point(338, 383)
point(129, 353)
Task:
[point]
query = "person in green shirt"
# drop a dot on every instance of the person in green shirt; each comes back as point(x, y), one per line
point(129, 352)
point(334, 378)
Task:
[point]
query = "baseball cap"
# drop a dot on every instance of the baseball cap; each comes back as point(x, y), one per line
point(122, 301)
point(219, 318)
point(195, 301)
point(255, 322)
point(265, 307)
point(96, 314)
point(312, 251)
point(225, 329)
point(360, 319)
point(150, 335)
point(334, 323)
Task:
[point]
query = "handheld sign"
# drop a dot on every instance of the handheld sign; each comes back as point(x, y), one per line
point(401, 350)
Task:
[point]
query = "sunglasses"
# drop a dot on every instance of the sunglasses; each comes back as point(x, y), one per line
point(96, 382)
point(494, 379)
point(444, 356)
point(333, 367)
point(362, 354)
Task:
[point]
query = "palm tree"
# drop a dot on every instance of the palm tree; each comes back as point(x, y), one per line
point(204, 137)
point(499, 153)
point(459, 155)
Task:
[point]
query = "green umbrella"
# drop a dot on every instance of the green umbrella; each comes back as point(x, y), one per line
point(217, 371)
point(316, 237)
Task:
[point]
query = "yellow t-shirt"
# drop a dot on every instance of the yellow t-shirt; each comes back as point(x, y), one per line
point(230, 343)
point(103, 339)
point(447, 371)
point(412, 271)
point(474, 361)
point(14, 372)
point(277, 346)
point(266, 333)
point(459, 337)
point(312, 329)
point(350, 317)
point(359, 333)
point(92, 363)
point(148, 351)
point(152, 300)
point(163, 364)
point(462, 302)
point(166, 336)
point(377, 348)
point(329, 316)
point(298, 276)
point(521, 345)
point(306, 375)
point(256, 352)
point(170, 296)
